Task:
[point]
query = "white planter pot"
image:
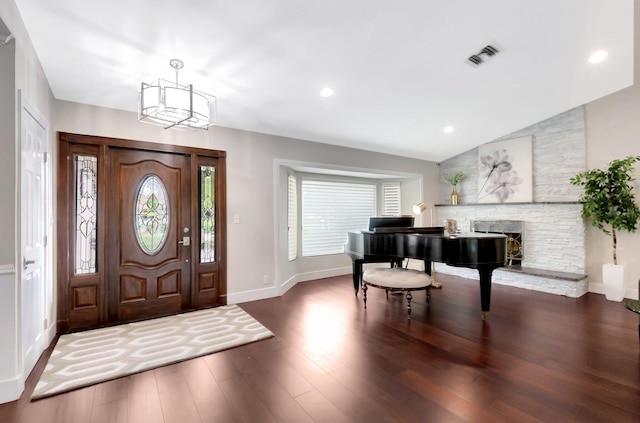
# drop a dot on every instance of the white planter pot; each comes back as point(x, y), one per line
point(613, 280)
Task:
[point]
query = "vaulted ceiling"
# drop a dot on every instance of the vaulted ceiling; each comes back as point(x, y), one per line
point(399, 70)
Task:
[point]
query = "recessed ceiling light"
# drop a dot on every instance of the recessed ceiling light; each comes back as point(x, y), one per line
point(326, 92)
point(448, 129)
point(598, 56)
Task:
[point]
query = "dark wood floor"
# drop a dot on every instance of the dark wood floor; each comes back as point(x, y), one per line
point(539, 357)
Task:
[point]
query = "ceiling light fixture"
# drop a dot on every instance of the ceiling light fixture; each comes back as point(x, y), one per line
point(173, 105)
point(326, 92)
point(448, 129)
point(598, 57)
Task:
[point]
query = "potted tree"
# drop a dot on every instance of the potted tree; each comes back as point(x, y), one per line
point(609, 202)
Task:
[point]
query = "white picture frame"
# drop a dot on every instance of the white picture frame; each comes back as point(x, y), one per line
point(505, 171)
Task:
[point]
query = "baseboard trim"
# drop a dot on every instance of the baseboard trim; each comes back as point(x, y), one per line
point(311, 276)
point(253, 295)
point(11, 389)
point(629, 293)
point(270, 292)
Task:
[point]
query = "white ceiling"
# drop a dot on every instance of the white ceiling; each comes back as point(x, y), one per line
point(399, 69)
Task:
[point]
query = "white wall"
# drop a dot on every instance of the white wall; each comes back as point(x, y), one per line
point(18, 59)
point(613, 132)
point(255, 248)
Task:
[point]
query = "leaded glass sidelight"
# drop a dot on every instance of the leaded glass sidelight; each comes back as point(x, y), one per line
point(207, 214)
point(151, 214)
point(86, 190)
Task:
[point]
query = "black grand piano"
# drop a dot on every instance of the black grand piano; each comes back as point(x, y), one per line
point(392, 239)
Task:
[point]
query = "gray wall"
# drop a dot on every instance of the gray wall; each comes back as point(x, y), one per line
point(8, 145)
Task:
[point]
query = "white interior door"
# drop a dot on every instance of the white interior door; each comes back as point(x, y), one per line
point(33, 235)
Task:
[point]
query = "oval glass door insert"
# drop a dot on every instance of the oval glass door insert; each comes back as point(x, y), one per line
point(151, 214)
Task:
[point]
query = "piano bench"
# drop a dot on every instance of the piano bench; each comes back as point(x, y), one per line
point(397, 279)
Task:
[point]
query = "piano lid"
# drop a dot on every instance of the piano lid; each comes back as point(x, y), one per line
point(405, 221)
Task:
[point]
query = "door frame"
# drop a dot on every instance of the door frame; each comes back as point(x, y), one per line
point(94, 286)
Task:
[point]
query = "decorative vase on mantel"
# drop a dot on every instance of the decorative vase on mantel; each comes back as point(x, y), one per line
point(454, 181)
point(454, 196)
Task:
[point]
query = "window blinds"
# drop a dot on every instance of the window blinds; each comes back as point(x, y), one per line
point(391, 199)
point(331, 209)
point(292, 218)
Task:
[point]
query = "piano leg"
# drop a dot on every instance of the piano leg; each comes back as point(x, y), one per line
point(357, 275)
point(427, 267)
point(485, 289)
point(430, 270)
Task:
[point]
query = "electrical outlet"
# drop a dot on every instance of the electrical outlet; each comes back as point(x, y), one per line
point(236, 218)
point(265, 279)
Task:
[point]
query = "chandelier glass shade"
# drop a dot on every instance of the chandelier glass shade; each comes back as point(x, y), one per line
point(172, 105)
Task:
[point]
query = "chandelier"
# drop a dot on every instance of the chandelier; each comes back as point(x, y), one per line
point(173, 105)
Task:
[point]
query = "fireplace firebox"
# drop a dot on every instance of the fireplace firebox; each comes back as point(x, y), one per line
point(513, 229)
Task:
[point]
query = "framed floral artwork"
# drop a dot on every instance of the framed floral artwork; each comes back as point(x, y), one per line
point(505, 171)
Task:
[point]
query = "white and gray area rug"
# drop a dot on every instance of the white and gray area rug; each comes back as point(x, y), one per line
point(85, 358)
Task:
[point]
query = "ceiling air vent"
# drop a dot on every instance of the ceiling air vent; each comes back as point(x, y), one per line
point(488, 51)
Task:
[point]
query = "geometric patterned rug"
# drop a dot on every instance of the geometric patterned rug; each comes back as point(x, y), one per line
point(85, 358)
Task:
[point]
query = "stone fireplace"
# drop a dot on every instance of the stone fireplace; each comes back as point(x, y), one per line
point(554, 249)
point(550, 258)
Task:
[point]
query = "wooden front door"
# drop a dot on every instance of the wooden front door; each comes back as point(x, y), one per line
point(141, 230)
point(149, 236)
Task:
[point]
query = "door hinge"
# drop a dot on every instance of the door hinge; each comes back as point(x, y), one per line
point(46, 239)
point(45, 157)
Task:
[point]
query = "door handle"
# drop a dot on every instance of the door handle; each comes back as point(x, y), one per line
point(186, 241)
point(26, 262)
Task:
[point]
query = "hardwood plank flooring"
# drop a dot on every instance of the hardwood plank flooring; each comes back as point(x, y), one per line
point(538, 358)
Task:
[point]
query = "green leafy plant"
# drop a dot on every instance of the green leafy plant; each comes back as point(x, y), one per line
point(608, 199)
point(455, 179)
